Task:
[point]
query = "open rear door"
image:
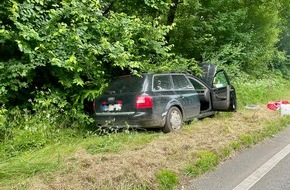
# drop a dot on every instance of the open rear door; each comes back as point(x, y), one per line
point(223, 93)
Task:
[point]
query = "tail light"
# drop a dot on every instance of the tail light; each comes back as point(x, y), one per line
point(143, 102)
point(104, 106)
point(118, 106)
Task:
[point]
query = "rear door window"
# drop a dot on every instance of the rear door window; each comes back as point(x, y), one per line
point(181, 83)
point(162, 82)
point(197, 85)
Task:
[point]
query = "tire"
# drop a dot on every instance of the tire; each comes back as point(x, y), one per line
point(233, 106)
point(173, 121)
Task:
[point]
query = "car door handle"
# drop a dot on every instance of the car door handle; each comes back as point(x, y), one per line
point(221, 97)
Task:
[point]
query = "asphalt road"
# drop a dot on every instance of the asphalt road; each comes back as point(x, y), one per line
point(266, 166)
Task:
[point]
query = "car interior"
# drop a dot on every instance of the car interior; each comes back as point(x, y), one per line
point(203, 93)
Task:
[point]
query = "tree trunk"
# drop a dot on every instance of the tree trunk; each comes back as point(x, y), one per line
point(171, 16)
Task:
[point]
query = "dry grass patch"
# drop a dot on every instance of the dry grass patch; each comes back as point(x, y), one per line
point(136, 169)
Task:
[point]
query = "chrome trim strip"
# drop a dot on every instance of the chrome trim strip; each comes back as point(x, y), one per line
point(114, 113)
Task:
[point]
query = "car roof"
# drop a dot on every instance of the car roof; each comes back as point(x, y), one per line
point(208, 72)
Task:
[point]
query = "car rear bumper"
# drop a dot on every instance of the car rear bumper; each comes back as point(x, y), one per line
point(129, 119)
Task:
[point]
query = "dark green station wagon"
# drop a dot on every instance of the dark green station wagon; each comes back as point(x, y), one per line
point(165, 100)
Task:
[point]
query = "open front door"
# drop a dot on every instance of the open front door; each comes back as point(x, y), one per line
point(223, 93)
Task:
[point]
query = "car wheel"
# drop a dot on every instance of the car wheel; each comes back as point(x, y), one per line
point(234, 106)
point(173, 120)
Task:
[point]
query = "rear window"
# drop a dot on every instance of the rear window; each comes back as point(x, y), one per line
point(125, 84)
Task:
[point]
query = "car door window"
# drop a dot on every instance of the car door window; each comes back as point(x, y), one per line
point(162, 82)
point(181, 82)
point(197, 85)
point(220, 80)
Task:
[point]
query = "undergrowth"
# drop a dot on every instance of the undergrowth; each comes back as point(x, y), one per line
point(261, 91)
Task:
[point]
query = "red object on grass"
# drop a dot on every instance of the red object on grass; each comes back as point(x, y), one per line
point(284, 102)
point(276, 105)
point(272, 106)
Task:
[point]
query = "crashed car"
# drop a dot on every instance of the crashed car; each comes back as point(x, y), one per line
point(164, 100)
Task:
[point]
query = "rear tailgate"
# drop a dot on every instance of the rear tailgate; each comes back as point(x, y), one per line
point(115, 103)
point(118, 101)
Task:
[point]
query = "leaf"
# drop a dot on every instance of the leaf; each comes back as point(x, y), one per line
point(78, 81)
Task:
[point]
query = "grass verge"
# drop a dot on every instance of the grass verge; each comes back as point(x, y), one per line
point(16, 170)
point(141, 160)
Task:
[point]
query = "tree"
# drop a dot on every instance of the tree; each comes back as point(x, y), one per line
point(242, 33)
point(75, 47)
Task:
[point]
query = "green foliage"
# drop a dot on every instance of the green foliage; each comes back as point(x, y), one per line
point(56, 54)
point(74, 47)
point(47, 123)
point(281, 64)
point(3, 121)
point(270, 87)
point(166, 179)
point(240, 34)
point(203, 162)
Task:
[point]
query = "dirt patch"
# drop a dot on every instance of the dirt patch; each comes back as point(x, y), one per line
point(137, 168)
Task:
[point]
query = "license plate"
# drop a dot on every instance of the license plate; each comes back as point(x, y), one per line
point(112, 107)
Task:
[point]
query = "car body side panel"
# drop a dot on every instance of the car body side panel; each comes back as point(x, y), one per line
point(162, 101)
point(190, 103)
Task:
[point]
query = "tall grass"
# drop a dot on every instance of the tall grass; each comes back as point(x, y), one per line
point(261, 91)
point(26, 131)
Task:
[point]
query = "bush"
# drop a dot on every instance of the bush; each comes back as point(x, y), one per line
point(47, 122)
point(3, 130)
